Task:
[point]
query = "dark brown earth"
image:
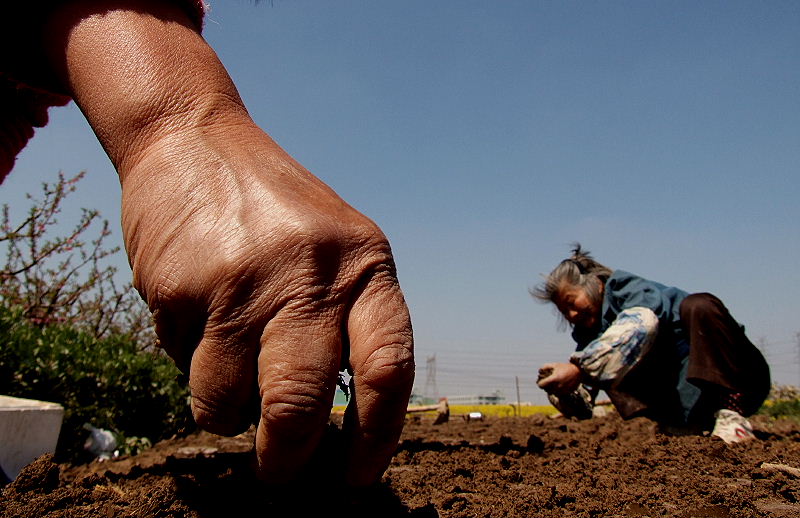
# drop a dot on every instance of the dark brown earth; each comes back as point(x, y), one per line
point(535, 466)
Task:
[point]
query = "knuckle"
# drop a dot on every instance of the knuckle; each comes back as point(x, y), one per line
point(389, 368)
point(296, 407)
point(331, 230)
point(329, 261)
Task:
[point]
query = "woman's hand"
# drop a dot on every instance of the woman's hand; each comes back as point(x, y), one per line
point(559, 378)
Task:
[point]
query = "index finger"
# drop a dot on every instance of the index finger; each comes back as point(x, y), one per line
point(382, 360)
point(298, 364)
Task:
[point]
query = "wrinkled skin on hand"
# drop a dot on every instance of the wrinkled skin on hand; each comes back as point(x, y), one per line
point(258, 275)
point(559, 378)
point(262, 281)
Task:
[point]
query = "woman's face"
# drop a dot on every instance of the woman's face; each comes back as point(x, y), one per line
point(577, 307)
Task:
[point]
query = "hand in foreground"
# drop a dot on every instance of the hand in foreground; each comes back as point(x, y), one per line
point(559, 378)
point(260, 278)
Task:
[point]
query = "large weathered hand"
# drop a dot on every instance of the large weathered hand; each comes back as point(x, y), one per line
point(261, 279)
point(260, 276)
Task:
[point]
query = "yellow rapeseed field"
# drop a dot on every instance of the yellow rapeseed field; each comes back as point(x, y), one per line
point(507, 410)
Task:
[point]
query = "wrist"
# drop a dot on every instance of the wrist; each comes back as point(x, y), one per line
point(577, 372)
point(138, 70)
point(182, 152)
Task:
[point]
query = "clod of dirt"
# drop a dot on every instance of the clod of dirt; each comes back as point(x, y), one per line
point(534, 445)
point(40, 475)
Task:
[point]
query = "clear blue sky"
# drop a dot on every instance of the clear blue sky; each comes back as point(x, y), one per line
point(484, 137)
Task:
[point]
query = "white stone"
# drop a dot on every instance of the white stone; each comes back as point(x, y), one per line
point(28, 429)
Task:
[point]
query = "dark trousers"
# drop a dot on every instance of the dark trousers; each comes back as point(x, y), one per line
point(722, 359)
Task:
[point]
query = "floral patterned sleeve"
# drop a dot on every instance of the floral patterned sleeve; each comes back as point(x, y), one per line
point(620, 347)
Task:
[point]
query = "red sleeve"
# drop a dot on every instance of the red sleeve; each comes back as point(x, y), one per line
point(24, 102)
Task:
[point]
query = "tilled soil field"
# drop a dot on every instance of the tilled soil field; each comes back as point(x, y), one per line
point(537, 466)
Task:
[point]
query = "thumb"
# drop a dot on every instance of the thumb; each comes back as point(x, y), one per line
point(543, 383)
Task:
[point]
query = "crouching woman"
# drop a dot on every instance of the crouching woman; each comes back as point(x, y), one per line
point(657, 351)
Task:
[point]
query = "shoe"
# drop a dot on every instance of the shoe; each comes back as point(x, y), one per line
point(732, 427)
